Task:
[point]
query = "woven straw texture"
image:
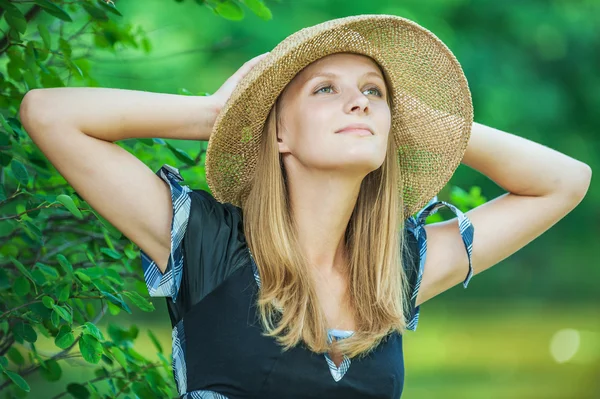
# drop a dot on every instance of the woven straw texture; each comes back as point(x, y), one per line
point(432, 110)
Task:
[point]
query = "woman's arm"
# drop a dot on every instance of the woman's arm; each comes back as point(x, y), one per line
point(76, 129)
point(116, 114)
point(543, 186)
point(524, 167)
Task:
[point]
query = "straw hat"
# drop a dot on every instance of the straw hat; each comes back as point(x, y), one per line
point(432, 111)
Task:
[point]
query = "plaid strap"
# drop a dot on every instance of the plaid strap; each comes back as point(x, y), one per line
point(417, 226)
point(167, 284)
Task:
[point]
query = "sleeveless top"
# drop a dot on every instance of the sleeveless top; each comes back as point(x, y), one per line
point(211, 284)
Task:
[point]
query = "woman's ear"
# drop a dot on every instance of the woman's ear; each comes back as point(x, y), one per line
point(281, 143)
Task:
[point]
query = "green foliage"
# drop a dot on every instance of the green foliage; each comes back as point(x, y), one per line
point(63, 265)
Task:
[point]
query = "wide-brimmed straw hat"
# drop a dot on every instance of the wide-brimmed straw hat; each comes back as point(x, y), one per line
point(432, 110)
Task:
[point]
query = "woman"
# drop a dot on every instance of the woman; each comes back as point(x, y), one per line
point(298, 275)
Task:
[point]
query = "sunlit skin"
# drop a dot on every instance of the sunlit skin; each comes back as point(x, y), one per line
point(325, 168)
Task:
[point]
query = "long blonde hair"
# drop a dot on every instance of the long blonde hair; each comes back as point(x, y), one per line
point(288, 305)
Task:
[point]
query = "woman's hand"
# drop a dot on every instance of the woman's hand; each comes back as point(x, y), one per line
point(221, 96)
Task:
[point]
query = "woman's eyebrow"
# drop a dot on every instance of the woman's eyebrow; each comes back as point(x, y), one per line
point(334, 75)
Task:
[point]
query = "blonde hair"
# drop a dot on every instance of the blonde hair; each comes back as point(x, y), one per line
point(288, 305)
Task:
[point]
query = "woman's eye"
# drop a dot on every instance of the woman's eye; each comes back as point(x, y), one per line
point(377, 90)
point(379, 94)
point(325, 87)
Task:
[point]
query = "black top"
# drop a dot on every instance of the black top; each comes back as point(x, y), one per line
point(211, 284)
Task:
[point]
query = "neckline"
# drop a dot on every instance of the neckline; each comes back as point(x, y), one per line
point(340, 333)
point(332, 331)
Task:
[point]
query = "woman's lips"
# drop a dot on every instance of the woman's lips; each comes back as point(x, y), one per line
point(356, 132)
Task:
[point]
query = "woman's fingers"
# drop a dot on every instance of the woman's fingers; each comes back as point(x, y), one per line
point(249, 64)
point(227, 88)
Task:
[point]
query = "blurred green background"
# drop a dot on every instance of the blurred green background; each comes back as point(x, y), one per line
point(530, 326)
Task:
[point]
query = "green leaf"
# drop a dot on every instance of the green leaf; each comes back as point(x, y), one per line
point(120, 335)
point(90, 256)
point(114, 277)
point(15, 124)
point(111, 253)
point(139, 301)
point(131, 253)
point(64, 314)
point(4, 141)
point(84, 278)
point(15, 356)
point(51, 370)
point(116, 300)
point(22, 268)
point(109, 7)
point(92, 329)
point(45, 35)
point(74, 68)
point(3, 363)
point(50, 79)
point(48, 302)
point(113, 309)
point(54, 10)
point(103, 285)
point(142, 390)
point(25, 332)
point(91, 348)
point(64, 294)
point(65, 47)
point(50, 271)
point(147, 142)
point(67, 201)
point(181, 155)
point(119, 356)
point(146, 45)
point(94, 12)
point(65, 337)
point(5, 283)
point(55, 319)
point(33, 230)
point(155, 341)
point(15, 19)
point(19, 172)
point(108, 240)
point(21, 286)
point(77, 390)
point(230, 10)
point(95, 273)
point(18, 380)
point(5, 125)
point(66, 265)
point(259, 8)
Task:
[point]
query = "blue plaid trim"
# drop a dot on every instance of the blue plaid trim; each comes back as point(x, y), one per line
point(179, 366)
point(338, 372)
point(167, 284)
point(417, 226)
point(204, 395)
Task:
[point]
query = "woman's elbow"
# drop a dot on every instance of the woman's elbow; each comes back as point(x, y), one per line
point(35, 112)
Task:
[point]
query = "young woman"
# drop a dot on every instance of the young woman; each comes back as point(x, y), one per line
point(297, 276)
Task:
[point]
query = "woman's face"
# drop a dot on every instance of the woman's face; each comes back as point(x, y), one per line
point(326, 96)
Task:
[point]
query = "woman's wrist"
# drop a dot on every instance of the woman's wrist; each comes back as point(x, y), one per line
point(207, 109)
